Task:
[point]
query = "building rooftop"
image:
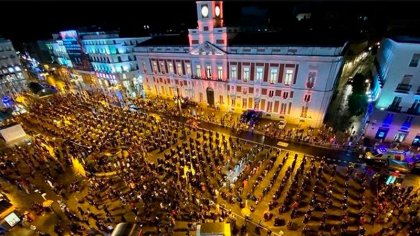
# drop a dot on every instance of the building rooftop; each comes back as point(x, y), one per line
point(302, 39)
point(167, 40)
point(3, 40)
point(405, 39)
point(404, 33)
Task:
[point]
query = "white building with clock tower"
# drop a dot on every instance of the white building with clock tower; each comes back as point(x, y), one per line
point(283, 74)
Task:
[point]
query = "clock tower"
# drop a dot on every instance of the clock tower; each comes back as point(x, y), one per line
point(210, 14)
point(210, 25)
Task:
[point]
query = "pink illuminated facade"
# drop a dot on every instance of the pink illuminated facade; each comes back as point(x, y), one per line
point(285, 76)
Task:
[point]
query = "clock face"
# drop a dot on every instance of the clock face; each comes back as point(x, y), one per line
point(217, 11)
point(204, 11)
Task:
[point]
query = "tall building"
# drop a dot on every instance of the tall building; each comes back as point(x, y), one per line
point(287, 75)
point(12, 78)
point(39, 50)
point(395, 117)
point(112, 58)
point(99, 59)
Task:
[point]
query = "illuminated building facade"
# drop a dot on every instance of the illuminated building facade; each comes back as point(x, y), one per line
point(395, 117)
point(285, 76)
point(113, 61)
point(60, 54)
point(12, 78)
point(101, 59)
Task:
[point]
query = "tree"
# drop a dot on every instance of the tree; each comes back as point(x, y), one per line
point(357, 101)
point(357, 104)
point(359, 85)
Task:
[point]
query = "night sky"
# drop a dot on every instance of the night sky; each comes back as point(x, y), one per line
point(40, 20)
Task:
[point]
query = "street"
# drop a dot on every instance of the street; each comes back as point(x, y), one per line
point(102, 165)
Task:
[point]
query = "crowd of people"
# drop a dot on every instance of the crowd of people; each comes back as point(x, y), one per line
point(324, 136)
point(168, 171)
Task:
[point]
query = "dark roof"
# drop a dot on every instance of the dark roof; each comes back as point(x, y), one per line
point(167, 40)
point(405, 39)
point(407, 32)
point(288, 39)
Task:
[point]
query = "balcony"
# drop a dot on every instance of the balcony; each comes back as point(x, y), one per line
point(200, 78)
point(394, 108)
point(413, 111)
point(205, 78)
point(403, 88)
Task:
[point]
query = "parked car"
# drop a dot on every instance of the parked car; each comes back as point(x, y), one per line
point(282, 123)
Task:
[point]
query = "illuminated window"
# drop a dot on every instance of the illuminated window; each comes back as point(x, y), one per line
point(233, 72)
point(179, 68)
point(304, 112)
point(288, 77)
point(17, 68)
point(400, 136)
point(260, 72)
point(311, 79)
point(416, 141)
point(198, 70)
point(283, 108)
point(273, 75)
point(188, 68)
point(406, 79)
point(208, 71)
point(307, 98)
point(414, 60)
point(246, 74)
point(162, 67)
point(155, 67)
point(171, 68)
point(220, 72)
point(382, 132)
point(144, 66)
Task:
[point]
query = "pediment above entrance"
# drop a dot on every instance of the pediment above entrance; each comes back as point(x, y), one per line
point(207, 49)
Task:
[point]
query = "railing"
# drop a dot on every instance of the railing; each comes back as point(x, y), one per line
point(413, 111)
point(418, 91)
point(207, 78)
point(394, 108)
point(379, 71)
point(403, 88)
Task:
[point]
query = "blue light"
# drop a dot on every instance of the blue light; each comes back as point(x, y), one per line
point(388, 120)
point(7, 101)
point(391, 179)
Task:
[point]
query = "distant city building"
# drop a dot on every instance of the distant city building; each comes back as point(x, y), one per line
point(395, 117)
point(12, 78)
point(303, 16)
point(113, 61)
point(39, 50)
point(290, 76)
point(99, 59)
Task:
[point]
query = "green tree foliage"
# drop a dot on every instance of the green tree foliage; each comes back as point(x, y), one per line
point(357, 104)
point(359, 85)
point(357, 101)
